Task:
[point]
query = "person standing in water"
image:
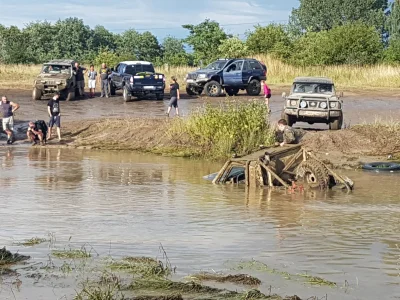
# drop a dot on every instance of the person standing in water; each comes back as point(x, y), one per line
point(7, 109)
point(175, 96)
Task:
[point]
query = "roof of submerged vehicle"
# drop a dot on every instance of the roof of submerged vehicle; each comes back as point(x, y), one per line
point(313, 80)
point(60, 62)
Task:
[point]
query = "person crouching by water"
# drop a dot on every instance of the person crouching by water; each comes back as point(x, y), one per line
point(175, 96)
point(7, 109)
point(35, 134)
point(284, 134)
point(53, 108)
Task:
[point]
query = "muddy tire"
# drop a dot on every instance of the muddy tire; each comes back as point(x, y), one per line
point(36, 94)
point(70, 95)
point(160, 96)
point(112, 90)
point(126, 95)
point(232, 91)
point(336, 124)
point(213, 88)
point(314, 174)
point(254, 87)
point(290, 120)
point(189, 91)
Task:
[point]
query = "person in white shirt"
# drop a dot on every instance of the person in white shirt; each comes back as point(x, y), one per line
point(92, 74)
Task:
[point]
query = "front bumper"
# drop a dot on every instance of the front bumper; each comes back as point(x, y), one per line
point(147, 89)
point(199, 82)
point(308, 113)
point(51, 88)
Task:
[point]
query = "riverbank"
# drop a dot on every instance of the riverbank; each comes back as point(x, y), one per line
point(347, 148)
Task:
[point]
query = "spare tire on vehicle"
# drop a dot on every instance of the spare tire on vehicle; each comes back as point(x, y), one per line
point(382, 166)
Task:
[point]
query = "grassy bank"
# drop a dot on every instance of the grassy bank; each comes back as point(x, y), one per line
point(279, 73)
point(209, 132)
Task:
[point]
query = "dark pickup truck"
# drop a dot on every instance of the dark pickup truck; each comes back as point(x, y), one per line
point(138, 79)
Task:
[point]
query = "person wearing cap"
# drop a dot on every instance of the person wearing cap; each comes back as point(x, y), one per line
point(7, 109)
point(34, 134)
point(53, 108)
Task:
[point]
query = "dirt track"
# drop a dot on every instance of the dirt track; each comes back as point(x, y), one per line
point(344, 148)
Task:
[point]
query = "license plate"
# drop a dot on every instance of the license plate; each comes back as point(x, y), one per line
point(149, 87)
point(190, 80)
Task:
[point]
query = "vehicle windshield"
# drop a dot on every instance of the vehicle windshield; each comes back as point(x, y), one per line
point(313, 88)
point(56, 69)
point(217, 65)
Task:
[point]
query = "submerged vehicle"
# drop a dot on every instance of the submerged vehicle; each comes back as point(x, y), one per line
point(281, 167)
point(313, 100)
point(56, 76)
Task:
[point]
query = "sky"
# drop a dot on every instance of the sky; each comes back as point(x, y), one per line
point(160, 17)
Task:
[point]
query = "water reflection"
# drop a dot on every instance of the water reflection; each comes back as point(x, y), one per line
point(138, 201)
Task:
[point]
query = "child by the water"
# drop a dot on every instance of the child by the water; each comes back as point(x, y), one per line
point(267, 94)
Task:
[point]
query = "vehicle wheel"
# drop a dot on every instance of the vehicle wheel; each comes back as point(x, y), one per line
point(189, 91)
point(232, 91)
point(336, 124)
point(112, 89)
point(70, 96)
point(126, 95)
point(254, 87)
point(213, 88)
point(36, 94)
point(314, 174)
point(199, 91)
point(160, 96)
point(290, 120)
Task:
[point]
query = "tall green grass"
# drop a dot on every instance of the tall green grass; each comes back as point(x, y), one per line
point(227, 129)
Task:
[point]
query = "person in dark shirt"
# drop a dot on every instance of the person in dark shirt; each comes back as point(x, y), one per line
point(175, 96)
point(80, 79)
point(104, 73)
point(53, 108)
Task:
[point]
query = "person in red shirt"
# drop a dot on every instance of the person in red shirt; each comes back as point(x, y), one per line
point(267, 94)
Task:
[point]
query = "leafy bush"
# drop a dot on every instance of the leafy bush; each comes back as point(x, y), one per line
point(231, 127)
point(233, 47)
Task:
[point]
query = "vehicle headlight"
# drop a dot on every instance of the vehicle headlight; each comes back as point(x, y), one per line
point(303, 104)
point(323, 105)
point(293, 102)
point(202, 76)
point(43, 81)
point(333, 104)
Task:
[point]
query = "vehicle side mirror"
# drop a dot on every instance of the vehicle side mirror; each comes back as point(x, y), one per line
point(284, 95)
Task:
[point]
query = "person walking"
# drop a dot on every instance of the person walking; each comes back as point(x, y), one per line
point(53, 108)
point(175, 96)
point(7, 109)
point(92, 74)
point(80, 79)
point(267, 94)
point(104, 73)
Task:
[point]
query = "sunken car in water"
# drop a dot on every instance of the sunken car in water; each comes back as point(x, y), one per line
point(313, 100)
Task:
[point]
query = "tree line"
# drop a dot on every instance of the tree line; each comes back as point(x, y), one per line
point(319, 32)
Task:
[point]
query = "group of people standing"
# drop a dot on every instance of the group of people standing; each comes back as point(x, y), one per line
point(94, 77)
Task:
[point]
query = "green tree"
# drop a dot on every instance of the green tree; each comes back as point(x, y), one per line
point(13, 45)
point(392, 53)
point(41, 37)
point(272, 39)
point(174, 52)
point(318, 15)
point(233, 48)
point(355, 43)
point(148, 48)
point(205, 38)
point(127, 43)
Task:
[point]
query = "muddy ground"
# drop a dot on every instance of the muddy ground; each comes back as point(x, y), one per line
point(141, 125)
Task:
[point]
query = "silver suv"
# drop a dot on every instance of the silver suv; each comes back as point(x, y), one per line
point(313, 100)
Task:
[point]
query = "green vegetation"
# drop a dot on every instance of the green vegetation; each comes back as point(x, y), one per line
point(243, 279)
point(261, 267)
point(230, 128)
point(359, 32)
point(32, 242)
point(71, 253)
point(143, 266)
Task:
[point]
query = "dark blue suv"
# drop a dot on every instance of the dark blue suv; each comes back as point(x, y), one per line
point(229, 74)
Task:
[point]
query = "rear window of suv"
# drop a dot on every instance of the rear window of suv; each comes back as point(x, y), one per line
point(255, 65)
point(134, 69)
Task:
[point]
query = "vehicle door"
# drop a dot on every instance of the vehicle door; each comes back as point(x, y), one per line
point(256, 69)
point(232, 74)
point(117, 75)
point(246, 72)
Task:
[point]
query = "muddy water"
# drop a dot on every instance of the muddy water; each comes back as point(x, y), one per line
point(357, 108)
point(127, 204)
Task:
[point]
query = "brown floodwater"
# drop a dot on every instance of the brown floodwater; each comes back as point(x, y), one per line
point(127, 204)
